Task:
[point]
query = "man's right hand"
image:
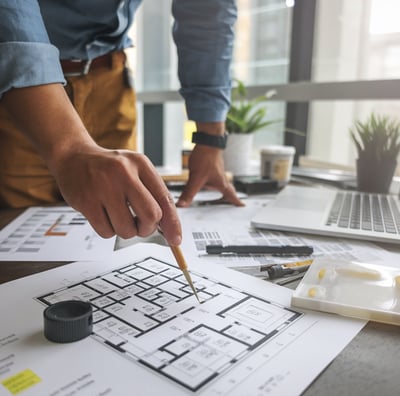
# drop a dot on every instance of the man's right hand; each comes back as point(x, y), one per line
point(119, 192)
point(106, 186)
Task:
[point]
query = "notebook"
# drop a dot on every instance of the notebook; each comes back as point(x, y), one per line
point(324, 211)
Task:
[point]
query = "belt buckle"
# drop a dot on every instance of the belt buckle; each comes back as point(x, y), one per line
point(85, 69)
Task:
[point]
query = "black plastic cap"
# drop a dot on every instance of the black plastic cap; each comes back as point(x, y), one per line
point(68, 321)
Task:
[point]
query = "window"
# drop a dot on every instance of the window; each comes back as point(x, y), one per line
point(353, 41)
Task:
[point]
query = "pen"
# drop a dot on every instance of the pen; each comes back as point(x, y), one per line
point(283, 250)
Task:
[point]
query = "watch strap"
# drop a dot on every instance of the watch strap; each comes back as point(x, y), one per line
point(206, 139)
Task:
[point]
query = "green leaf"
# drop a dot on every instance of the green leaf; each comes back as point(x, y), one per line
point(377, 137)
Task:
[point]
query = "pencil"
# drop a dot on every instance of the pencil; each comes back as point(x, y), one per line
point(176, 250)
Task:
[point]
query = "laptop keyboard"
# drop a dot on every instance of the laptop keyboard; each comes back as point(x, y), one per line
point(364, 211)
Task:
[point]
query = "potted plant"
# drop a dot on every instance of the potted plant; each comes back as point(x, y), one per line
point(243, 119)
point(377, 140)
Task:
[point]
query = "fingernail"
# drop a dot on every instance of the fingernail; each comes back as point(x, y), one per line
point(176, 240)
point(182, 203)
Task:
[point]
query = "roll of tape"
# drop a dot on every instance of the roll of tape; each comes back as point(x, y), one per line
point(68, 321)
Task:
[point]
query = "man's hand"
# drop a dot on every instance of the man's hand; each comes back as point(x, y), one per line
point(119, 192)
point(206, 170)
point(104, 185)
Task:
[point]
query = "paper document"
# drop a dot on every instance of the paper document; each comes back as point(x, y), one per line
point(57, 233)
point(197, 235)
point(152, 337)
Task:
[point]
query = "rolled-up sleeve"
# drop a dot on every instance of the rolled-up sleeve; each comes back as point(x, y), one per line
point(204, 33)
point(26, 56)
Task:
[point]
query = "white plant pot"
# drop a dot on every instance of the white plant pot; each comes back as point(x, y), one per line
point(237, 153)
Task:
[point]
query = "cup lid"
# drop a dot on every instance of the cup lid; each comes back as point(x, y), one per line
point(277, 149)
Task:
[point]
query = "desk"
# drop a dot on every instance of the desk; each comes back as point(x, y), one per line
point(368, 366)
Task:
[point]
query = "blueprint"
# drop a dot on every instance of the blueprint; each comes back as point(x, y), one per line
point(146, 312)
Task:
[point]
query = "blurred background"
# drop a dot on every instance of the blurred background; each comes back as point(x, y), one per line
point(331, 62)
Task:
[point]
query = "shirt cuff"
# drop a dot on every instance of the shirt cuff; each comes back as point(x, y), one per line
point(25, 64)
point(206, 105)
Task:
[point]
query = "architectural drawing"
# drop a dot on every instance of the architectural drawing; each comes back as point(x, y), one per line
point(146, 312)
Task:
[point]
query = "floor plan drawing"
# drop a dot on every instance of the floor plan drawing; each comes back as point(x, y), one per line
point(147, 312)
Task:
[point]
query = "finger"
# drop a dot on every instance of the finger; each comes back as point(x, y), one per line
point(122, 219)
point(147, 211)
point(100, 221)
point(193, 186)
point(229, 195)
point(168, 219)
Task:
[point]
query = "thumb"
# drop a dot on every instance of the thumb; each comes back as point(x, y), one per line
point(230, 196)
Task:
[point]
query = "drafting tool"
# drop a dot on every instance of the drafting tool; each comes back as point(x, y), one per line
point(288, 279)
point(276, 271)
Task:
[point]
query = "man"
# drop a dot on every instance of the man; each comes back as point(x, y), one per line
point(85, 151)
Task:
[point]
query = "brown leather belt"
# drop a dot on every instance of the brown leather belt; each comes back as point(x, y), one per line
point(81, 67)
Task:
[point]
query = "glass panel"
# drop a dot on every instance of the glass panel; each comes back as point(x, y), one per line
point(156, 64)
point(261, 56)
point(356, 40)
point(262, 42)
point(261, 53)
point(330, 123)
point(353, 40)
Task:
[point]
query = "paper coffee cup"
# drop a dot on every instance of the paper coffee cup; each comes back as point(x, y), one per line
point(276, 163)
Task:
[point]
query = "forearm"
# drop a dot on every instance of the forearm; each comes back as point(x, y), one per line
point(95, 181)
point(46, 116)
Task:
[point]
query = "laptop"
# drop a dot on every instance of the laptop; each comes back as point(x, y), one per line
point(331, 212)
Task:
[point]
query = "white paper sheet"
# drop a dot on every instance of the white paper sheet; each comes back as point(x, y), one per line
point(244, 339)
point(229, 225)
point(199, 234)
point(52, 234)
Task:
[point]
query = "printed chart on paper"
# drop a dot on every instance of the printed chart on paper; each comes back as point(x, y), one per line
point(57, 233)
point(146, 312)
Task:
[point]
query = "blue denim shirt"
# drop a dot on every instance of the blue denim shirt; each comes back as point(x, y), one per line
point(35, 34)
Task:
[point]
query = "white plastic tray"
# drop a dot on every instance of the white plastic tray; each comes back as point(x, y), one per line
point(350, 288)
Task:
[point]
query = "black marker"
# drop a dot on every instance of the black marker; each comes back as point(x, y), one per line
point(281, 250)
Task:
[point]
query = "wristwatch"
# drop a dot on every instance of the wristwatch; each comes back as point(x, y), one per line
point(209, 140)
